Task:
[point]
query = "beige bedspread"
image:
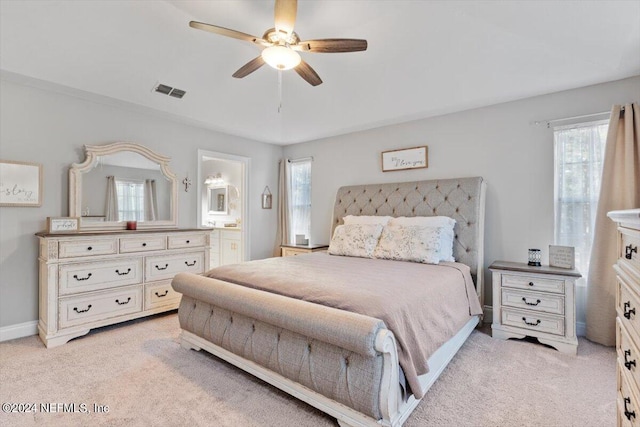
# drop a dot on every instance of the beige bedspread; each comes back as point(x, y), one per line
point(423, 305)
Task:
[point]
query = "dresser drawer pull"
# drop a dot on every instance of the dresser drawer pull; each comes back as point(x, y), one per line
point(536, 323)
point(162, 268)
point(628, 363)
point(628, 313)
point(144, 244)
point(531, 284)
point(627, 413)
point(123, 302)
point(124, 273)
point(167, 291)
point(190, 265)
point(629, 250)
point(530, 303)
point(82, 311)
point(188, 241)
point(80, 279)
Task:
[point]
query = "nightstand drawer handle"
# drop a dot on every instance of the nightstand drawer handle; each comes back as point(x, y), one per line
point(166, 291)
point(628, 363)
point(82, 311)
point(627, 312)
point(531, 284)
point(627, 413)
point(536, 323)
point(123, 302)
point(629, 250)
point(530, 303)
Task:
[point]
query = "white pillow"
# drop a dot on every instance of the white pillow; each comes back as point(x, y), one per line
point(365, 219)
point(359, 240)
point(443, 222)
point(416, 243)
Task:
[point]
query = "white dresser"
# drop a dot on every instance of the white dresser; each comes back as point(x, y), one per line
point(93, 279)
point(535, 301)
point(627, 270)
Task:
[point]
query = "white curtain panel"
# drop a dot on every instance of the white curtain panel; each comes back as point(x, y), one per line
point(620, 189)
point(282, 229)
point(111, 205)
point(150, 200)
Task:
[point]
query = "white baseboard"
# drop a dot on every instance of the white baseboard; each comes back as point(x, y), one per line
point(18, 331)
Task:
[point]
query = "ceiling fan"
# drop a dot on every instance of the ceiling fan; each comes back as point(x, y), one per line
point(281, 44)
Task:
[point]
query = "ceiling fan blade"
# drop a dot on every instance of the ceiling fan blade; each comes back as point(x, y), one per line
point(229, 33)
point(285, 15)
point(309, 74)
point(249, 67)
point(332, 45)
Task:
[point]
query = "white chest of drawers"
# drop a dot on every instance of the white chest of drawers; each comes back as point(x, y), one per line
point(627, 270)
point(88, 280)
point(535, 301)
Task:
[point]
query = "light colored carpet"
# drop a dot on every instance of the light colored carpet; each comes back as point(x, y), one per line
point(141, 373)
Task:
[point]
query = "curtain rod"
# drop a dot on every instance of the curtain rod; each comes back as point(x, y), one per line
point(301, 159)
point(584, 116)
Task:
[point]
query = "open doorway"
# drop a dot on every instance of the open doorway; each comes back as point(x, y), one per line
point(223, 205)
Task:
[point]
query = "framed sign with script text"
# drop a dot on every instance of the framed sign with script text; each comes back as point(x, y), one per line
point(407, 158)
point(62, 224)
point(562, 256)
point(20, 183)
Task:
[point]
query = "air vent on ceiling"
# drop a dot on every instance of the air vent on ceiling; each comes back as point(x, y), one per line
point(168, 90)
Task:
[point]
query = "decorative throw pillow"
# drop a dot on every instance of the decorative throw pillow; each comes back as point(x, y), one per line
point(446, 225)
point(415, 243)
point(366, 219)
point(358, 240)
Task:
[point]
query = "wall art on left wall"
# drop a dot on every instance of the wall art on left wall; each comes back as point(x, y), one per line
point(20, 184)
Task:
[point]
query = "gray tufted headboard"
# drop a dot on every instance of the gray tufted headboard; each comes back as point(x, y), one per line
point(461, 199)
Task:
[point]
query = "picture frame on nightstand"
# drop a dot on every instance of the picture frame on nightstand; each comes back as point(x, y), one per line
point(562, 257)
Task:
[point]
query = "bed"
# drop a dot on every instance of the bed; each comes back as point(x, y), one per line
point(344, 362)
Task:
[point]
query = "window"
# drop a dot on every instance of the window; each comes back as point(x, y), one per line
point(579, 155)
point(300, 198)
point(130, 200)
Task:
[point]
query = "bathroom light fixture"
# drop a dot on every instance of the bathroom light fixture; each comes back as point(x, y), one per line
point(214, 180)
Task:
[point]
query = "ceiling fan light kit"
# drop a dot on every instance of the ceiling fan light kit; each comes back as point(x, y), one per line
point(281, 44)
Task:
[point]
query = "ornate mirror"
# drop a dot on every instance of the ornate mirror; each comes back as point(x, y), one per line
point(122, 182)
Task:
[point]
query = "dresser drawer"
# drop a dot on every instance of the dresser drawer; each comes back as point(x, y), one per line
point(167, 266)
point(628, 307)
point(628, 353)
point(92, 276)
point(628, 408)
point(628, 251)
point(532, 320)
point(185, 240)
point(99, 306)
point(536, 301)
point(533, 283)
point(87, 247)
point(160, 294)
point(142, 244)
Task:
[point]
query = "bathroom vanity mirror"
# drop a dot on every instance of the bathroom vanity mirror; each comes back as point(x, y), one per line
point(218, 200)
point(123, 182)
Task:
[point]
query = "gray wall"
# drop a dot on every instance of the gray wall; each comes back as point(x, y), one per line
point(49, 127)
point(499, 142)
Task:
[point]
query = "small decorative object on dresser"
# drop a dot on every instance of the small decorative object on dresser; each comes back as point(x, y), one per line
point(535, 301)
point(290, 250)
point(628, 320)
point(62, 224)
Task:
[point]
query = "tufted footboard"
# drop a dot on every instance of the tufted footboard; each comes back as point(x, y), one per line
point(343, 363)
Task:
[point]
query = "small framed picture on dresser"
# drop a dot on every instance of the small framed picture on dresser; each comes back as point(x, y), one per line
point(562, 256)
point(62, 224)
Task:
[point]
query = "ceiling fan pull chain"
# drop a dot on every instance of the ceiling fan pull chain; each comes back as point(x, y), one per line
point(279, 91)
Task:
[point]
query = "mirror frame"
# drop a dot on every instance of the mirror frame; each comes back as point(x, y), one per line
point(226, 199)
point(92, 153)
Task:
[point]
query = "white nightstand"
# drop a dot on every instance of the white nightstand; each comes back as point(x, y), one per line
point(535, 301)
point(290, 250)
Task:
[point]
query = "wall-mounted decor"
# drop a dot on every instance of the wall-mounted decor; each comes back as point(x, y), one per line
point(266, 198)
point(20, 184)
point(62, 224)
point(562, 256)
point(406, 158)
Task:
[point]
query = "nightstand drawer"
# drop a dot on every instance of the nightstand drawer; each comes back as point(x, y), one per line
point(628, 307)
point(293, 252)
point(534, 321)
point(629, 248)
point(533, 283)
point(628, 408)
point(536, 301)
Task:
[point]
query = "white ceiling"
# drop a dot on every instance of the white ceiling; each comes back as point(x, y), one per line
point(425, 58)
